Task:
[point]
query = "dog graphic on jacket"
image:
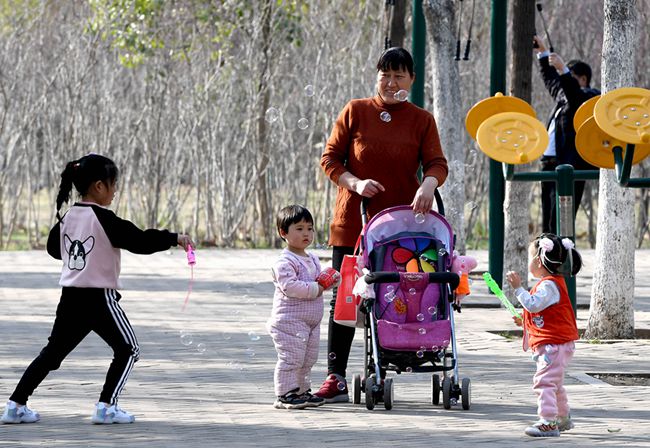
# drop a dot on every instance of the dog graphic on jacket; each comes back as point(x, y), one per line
point(77, 252)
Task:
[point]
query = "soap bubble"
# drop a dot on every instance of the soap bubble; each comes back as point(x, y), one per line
point(419, 354)
point(235, 365)
point(309, 90)
point(471, 158)
point(271, 115)
point(250, 352)
point(412, 291)
point(390, 288)
point(340, 385)
point(422, 331)
point(389, 296)
point(302, 336)
point(419, 218)
point(471, 206)
point(186, 338)
point(409, 369)
point(332, 356)
point(303, 123)
point(420, 317)
point(200, 347)
point(432, 310)
point(253, 336)
point(226, 335)
point(385, 116)
point(401, 95)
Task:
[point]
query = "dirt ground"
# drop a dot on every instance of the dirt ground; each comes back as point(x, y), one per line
point(623, 379)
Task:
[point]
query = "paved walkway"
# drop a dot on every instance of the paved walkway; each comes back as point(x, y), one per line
point(215, 386)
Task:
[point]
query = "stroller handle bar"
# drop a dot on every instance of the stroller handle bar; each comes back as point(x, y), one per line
point(365, 201)
point(393, 277)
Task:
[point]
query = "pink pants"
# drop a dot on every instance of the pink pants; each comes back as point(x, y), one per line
point(548, 382)
point(297, 345)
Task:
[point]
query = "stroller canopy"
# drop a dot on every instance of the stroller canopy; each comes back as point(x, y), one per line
point(393, 222)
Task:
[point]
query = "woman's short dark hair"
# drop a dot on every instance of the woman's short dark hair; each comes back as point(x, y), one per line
point(292, 214)
point(395, 58)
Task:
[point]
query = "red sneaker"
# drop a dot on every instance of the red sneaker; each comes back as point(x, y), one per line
point(333, 390)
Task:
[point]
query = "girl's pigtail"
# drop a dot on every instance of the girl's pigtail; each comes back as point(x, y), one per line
point(572, 255)
point(576, 259)
point(65, 187)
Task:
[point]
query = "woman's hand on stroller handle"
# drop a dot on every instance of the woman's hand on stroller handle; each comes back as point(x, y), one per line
point(424, 196)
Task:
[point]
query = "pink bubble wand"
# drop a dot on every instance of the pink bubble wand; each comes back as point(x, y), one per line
point(191, 261)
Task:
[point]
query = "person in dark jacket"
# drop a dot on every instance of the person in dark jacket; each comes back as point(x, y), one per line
point(568, 84)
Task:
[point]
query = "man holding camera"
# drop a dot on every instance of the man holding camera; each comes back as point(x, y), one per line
point(568, 84)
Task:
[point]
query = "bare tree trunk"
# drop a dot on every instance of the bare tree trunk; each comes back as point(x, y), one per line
point(397, 30)
point(440, 18)
point(263, 200)
point(612, 295)
point(517, 205)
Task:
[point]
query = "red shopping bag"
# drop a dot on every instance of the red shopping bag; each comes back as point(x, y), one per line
point(346, 309)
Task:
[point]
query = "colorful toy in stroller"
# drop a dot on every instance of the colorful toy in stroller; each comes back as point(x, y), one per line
point(409, 323)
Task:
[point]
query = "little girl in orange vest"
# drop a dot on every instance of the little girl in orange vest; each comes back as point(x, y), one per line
point(549, 328)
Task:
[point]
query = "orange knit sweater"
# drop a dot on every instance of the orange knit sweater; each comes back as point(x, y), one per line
point(388, 152)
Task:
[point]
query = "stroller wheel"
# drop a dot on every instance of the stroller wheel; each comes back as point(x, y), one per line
point(370, 398)
point(435, 389)
point(388, 394)
point(356, 389)
point(466, 393)
point(446, 393)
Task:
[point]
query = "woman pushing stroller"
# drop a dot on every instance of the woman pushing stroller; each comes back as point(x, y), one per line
point(374, 151)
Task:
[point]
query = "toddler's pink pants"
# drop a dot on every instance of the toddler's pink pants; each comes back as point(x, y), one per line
point(548, 382)
point(297, 345)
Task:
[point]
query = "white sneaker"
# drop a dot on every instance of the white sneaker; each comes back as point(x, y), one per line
point(110, 414)
point(543, 428)
point(19, 414)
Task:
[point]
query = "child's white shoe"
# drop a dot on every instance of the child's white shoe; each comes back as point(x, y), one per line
point(543, 428)
point(110, 414)
point(19, 414)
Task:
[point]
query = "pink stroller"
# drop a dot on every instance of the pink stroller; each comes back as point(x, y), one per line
point(409, 324)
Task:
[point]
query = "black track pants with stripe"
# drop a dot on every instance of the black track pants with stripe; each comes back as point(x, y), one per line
point(80, 311)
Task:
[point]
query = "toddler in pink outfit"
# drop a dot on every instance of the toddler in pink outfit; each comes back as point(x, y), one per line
point(297, 311)
point(549, 328)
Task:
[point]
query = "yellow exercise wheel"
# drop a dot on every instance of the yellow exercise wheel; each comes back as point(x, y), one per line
point(595, 146)
point(585, 111)
point(496, 104)
point(512, 137)
point(625, 114)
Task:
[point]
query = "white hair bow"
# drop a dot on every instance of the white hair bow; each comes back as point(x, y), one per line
point(568, 244)
point(545, 245)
